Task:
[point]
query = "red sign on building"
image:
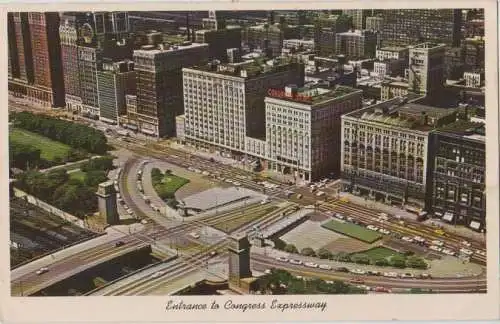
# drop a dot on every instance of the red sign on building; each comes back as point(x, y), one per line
point(282, 94)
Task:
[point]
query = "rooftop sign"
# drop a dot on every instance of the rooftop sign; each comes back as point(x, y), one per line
point(294, 96)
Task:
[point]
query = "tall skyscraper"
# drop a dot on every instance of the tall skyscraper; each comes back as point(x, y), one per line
point(411, 26)
point(23, 46)
point(159, 84)
point(48, 79)
point(358, 19)
point(426, 68)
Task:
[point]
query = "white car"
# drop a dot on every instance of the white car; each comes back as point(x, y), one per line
point(466, 252)
point(339, 216)
point(42, 271)
point(311, 264)
point(407, 239)
point(281, 259)
point(466, 243)
point(373, 228)
point(229, 180)
point(480, 252)
point(437, 242)
point(390, 274)
point(435, 248)
point(419, 239)
point(448, 252)
point(267, 271)
point(236, 183)
point(325, 267)
point(384, 231)
point(157, 274)
point(144, 221)
point(206, 173)
point(297, 262)
point(358, 271)
point(407, 275)
point(195, 235)
point(383, 216)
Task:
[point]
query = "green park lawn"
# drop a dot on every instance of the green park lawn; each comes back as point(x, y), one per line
point(352, 230)
point(380, 253)
point(78, 175)
point(168, 185)
point(49, 149)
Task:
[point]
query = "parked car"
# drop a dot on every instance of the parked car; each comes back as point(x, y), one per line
point(325, 267)
point(42, 270)
point(281, 259)
point(311, 264)
point(293, 261)
point(119, 243)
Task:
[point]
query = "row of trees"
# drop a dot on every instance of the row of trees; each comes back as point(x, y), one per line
point(75, 135)
point(397, 260)
point(281, 282)
point(72, 195)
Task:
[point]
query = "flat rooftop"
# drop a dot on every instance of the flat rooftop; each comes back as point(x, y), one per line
point(392, 49)
point(396, 112)
point(315, 96)
point(466, 128)
point(253, 67)
point(151, 51)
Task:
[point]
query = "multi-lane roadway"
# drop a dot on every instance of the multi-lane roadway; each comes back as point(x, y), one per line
point(163, 228)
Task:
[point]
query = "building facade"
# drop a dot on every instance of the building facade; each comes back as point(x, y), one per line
point(115, 81)
point(458, 192)
point(356, 44)
point(303, 130)
point(89, 62)
point(48, 82)
point(219, 41)
point(159, 84)
point(426, 68)
point(325, 30)
point(404, 27)
point(375, 23)
point(385, 150)
point(224, 104)
point(392, 89)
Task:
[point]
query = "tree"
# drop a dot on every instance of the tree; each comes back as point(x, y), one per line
point(95, 177)
point(382, 262)
point(156, 175)
point(324, 254)
point(290, 248)
point(343, 256)
point(416, 262)
point(398, 261)
point(360, 258)
point(308, 251)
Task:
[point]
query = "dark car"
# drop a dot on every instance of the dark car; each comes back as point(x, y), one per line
point(119, 243)
point(342, 269)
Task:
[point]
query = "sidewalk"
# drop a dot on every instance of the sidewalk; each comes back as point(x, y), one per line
point(460, 230)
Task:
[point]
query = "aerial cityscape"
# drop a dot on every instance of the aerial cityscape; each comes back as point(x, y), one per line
point(247, 152)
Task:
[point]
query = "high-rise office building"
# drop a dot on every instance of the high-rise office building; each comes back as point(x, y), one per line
point(303, 129)
point(426, 68)
point(325, 29)
point(159, 84)
point(89, 62)
point(224, 104)
point(23, 46)
point(48, 89)
point(219, 41)
point(356, 44)
point(115, 81)
point(473, 53)
point(358, 19)
point(12, 50)
point(385, 149)
point(268, 38)
point(457, 169)
point(404, 27)
point(375, 23)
